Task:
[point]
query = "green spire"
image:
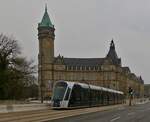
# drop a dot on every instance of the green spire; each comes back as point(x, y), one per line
point(46, 22)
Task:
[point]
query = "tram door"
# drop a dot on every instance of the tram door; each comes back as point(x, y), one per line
point(66, 99)
point(76, 96)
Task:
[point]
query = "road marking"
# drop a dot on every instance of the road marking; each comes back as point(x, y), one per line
point(114, 119)
point(115, 116)
point(131, 113)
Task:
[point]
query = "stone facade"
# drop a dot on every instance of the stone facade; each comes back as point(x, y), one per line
point(107, 72)
point(147, 91)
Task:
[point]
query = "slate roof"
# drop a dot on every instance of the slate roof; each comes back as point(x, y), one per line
point(46, 22)
point(80, 61)
point(126, 69)
point(83, 61)
point(113, 55)
point(141, 80)
point(112, 52)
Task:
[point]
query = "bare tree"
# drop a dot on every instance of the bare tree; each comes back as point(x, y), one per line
point(9, 49)
point(26, 70)
point(15, 71)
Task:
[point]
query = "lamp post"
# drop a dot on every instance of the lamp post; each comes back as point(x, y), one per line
point(41, 78)
point(42, 89)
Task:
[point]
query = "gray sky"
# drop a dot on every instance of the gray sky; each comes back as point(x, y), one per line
point(84, 28)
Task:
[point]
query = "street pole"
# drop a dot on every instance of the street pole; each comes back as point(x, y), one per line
point(130, 99)
point(41, 93)
point(41, 85)
point(52, 77)
point(41, 72)
point(130, 96)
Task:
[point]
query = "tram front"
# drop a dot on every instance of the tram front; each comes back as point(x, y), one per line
point(59, 92)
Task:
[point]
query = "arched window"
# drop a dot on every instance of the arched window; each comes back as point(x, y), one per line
point(78, 67)
point(87, 68)
point(66, 67)
point(99, 68)
point(74, 67)
point(69, 67)
point(96, 67)
point(83, 68)
point(92, 68)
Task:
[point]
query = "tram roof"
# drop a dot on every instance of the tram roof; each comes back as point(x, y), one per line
point(86, 85)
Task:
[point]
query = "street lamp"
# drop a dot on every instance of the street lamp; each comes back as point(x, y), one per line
point(41, 78)
point(42, 90)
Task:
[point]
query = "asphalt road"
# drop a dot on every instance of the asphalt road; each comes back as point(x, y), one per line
point(136, 113)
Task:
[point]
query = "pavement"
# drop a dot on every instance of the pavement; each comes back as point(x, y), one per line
point(135, 113)
point(33, 105)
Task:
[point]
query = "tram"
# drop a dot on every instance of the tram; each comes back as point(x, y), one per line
point(68, 94)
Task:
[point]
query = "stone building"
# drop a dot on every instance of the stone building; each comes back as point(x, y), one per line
point(107, 72)
point(147, 91)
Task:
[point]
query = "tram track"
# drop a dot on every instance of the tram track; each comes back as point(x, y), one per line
point(45, 115)
point(25, 115)
point(32, 115)
point(10, 114)
point(49, 115)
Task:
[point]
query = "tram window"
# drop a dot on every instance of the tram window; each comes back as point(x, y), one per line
point(99, 95)
point(59, 91)
point(76, 93)
point(102, 97)
point(86, 95)
point(67, 94)
point(92, 95)
point(105, 97)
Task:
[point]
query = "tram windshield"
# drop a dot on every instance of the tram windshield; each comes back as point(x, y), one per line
point(59, 91)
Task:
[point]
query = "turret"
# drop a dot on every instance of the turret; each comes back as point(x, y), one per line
point(46, 38)
point(113, 55)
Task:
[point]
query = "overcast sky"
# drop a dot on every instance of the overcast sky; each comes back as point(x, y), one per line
point(84, 28)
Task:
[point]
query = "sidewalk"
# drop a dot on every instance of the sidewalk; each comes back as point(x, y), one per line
point(35, 105)
point(142, 101)
point(138, 101)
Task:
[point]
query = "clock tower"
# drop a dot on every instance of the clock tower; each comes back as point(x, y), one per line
point(46, 38)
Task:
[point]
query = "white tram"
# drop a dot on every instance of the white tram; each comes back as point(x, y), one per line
point(68, 94)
